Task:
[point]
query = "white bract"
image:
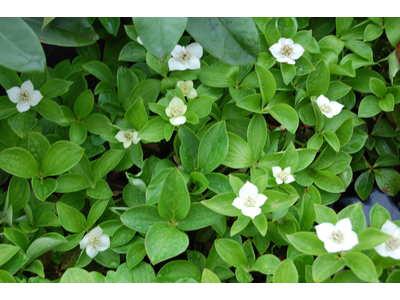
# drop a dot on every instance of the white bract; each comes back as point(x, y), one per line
point(25, 96)
point(339, 237)
point(391, 247)
point(186, 57)
point(139, 40)
point(95, 241)
point(249, 200)
point(175, 111)
point(187, 89)
point(127, 137)
point(282, 176)
point(286, 51)
point(329, 108)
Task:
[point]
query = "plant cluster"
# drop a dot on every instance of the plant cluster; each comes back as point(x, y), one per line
point(198, 149)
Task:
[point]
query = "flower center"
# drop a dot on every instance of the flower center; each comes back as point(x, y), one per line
point(250, 201)
point(337, 237)
point(176, 111)
point(185, 56)
point(287, 50)
point(283, 175)
point(24, 96)
point(325, 108)
point(185, 89)
point(393, 243)
point(94, 241)
point(128, 135)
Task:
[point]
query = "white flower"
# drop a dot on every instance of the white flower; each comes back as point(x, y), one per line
point(285, 51)
point(175, 111)
point(95, 241)
point(282, 176)
point(187, 89)
point(392, 246)
point(329, 108)
point(127, 137)
point(139, 40)
point(25, 96)
point(339, 237)
point(186, 57)
point(249, 200)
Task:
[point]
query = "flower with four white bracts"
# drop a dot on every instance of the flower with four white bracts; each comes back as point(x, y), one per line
point(249, 200)
point(286, 51)
point(25, 96)
point(175, 111)
point(329, 108)
point(95, 241)
point(391, 247)
point(187, 89)
point(127, 137)
point(282, 176)
point(186, 57)
point(339, 237)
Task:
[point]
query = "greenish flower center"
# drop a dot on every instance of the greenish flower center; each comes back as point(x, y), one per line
point(128, 135)
point(176, 111)
point(326, 108)
point(24, 96)
point(94, 241)
point(337, 237)
point(393, 243)
point(283, 175)
point(185, 56)
point(287, 50)
point(250, 201)
point(185, 89)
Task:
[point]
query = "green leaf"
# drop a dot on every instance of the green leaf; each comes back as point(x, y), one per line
point(222, 204)
point(18, 193)
point(189, 148)
point(174, 201)
point(22, 123)
point(148, 89)
point(213, 148)
point(327, 181)
point(178, 269)
point(377, 87)
point(51, 111)
point(286, 272)
point(392, 30)
point(231, 252)
point(101, 190)
point(108, 259)
point(356, 215)
point(209, 277)
point(55, 88)
point(260, 222)
point(101, 71)
point(21, 49)
point(257, 135)
point(234, 41)
point(84, 105)
point(239, 155)
point(318, 81)
point(136, 114)
point(19, 162)
point(394, 277)
point(65, 32)
point(106, 163)
point(76, 275)
point(307, 242)
point(286, 115)
point(240, 224)
point(68, 183)
point(219, 75)
point(360, 48)
point(36, 267)
point(388, 181)
point(71, 219)
point(370, 238)
point(378, 216)
point(267, 84)
point(199, 216)
point(141, 218)
point(387, 103)
point(160, 35)
point(96, 211)
point(325, 214)
point(6, 252)
point(288, 72)
point(266, 264)
point(43, 244)
point(325, 266)
point(307, 211)
point(361, 265)
point(364, 184)
point(345, 132)
point(111, 24)
point(43, 188)
point(61, 157)
point(332, 140)
point(16, 236)
point(164, 241)
point(153, 131)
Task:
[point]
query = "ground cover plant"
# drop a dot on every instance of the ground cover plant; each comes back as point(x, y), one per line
point(198, 149)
